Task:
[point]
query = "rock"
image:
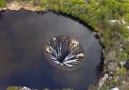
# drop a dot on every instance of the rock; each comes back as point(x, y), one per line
point(25, 88)
point(112, 22)
point(121, 49)
point(112, 66)
point(102, 80)
point(127, 65)
point(111, 55)
point(122, 63)
point(15, 5)
point(96, 35)
point(120, 22)
point(115, 88)
point(127, 27)
point(123, 21)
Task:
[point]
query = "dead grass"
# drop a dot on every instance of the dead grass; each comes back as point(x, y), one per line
point(14, 5)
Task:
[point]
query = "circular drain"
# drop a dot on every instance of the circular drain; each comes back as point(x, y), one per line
point(64, 51)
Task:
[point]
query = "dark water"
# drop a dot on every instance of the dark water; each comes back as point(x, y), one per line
point(23, 35)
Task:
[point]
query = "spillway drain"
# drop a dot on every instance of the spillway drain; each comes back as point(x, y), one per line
point(64, 51)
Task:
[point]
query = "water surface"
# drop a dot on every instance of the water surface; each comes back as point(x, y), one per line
point(23, 35)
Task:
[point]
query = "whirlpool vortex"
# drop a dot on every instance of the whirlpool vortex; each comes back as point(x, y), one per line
point(64, 51)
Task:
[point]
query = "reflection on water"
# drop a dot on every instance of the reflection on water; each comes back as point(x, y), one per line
point(23, 35)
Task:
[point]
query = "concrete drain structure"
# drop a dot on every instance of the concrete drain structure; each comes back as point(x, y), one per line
point(64, 51)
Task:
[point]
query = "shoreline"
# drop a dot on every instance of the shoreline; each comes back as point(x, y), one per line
point(114, 72)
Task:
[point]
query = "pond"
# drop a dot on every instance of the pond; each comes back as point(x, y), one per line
point(47, 50)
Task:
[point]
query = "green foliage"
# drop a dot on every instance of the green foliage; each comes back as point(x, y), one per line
point(35, 2)
point(121, 71)
point(13, 88)
point(2, 3)
point(94, 12)
point(122, 56)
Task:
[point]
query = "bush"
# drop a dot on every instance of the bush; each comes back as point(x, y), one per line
point(2, 3)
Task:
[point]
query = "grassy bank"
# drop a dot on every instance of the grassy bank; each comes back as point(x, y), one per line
point(113, 35)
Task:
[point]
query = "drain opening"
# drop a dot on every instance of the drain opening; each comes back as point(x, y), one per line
point(64, 51)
